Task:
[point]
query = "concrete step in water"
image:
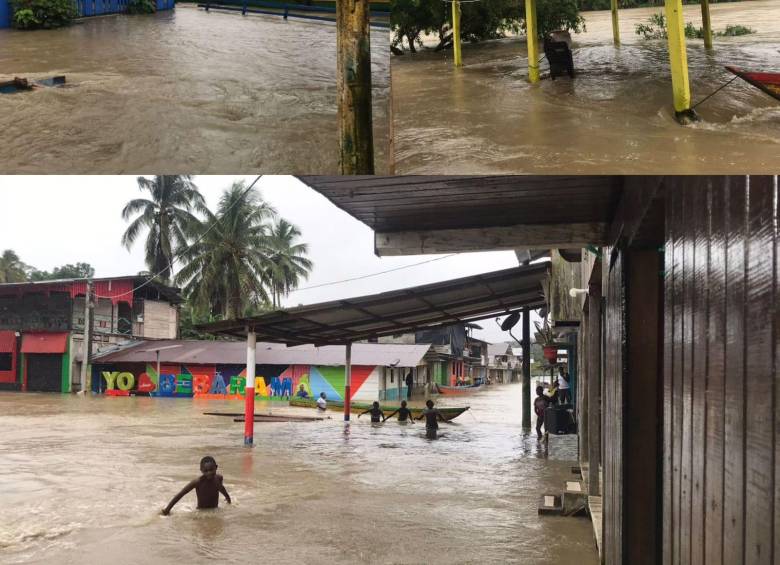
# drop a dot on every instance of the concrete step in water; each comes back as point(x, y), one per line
point(550, 504)
point(574, 498)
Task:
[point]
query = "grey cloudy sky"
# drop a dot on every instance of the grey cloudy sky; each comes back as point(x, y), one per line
point(50, 221)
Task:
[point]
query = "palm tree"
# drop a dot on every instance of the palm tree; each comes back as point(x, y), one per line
point(287, 262)
point(11, 268)
point(223, 269)
point(166, 215)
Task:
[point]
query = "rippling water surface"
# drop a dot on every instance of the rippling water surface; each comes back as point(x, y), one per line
point(180, 91)
point(83, 480)
point(615, 117)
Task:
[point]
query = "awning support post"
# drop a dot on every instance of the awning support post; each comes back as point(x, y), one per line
point(615, 22)
point(456, 34)
point(249, 391)
point(526, 410)
point(678, 60)
point(533, 43)
point(706, 23)
point(348, 381)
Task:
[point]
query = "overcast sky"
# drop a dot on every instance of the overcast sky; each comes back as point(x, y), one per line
point(53, 220)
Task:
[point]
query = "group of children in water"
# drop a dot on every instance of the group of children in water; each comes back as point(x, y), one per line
point(209, 485)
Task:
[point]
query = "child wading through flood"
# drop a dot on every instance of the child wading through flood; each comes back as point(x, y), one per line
point(432, 417)
point(207, 487)
point(404, 414)
point(375, 411)
point(540, 405)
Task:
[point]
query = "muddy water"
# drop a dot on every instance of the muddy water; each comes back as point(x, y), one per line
point(615, 117)
point(83, 479)
point(181, 91)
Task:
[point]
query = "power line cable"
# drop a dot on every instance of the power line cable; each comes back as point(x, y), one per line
point(197, 240)
point(374, 274)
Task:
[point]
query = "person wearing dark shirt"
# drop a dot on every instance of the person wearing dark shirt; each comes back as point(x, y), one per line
point(409, 385)
point(302, 392)
point(404, 414)
point(540, 405)
point(207, 487)
point(375, 411)
point(432, 417)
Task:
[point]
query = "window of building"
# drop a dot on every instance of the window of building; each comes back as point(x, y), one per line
point(6, 362)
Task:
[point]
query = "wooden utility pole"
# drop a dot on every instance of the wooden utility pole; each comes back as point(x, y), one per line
point(86, 347)
point(353, 74)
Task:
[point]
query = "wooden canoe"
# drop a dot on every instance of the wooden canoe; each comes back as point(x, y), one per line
point(768, 82)
point(449, 413)
point(458, 390)
point(239, 417)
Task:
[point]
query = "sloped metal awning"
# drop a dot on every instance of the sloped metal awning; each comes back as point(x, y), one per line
point(399, 311)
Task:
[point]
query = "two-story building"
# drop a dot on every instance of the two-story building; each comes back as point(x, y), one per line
point(42, 326)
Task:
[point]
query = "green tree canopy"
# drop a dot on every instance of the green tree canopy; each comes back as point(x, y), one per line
point(166, 216)
point(12, 270)
point(287, 262)
point(77, 271)
point(223, 270)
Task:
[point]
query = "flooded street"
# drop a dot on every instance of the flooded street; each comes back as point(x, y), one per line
point(181, 91)
point(615, 117)
point(85, 478)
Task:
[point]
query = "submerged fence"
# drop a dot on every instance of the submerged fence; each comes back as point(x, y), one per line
point(86, 8)
point(379, 13)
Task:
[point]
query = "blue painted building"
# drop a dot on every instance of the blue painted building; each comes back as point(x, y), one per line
point(86, 8)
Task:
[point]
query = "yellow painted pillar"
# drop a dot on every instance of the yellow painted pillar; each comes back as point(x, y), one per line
point(533, 43)
point(615, 26)
point(456, 34)
point(678, 59)
point(706, 23)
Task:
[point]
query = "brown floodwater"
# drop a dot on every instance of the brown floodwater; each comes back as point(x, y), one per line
point(615, 117)
point(181, 91)
point(83, 480)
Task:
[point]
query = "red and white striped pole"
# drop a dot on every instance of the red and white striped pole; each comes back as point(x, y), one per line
point(348, 382)
point(249, 391)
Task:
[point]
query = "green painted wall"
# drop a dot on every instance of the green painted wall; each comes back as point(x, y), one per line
point(22, 361)
point(66, 367)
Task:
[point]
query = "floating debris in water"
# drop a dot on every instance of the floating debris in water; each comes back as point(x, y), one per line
point(22, 84)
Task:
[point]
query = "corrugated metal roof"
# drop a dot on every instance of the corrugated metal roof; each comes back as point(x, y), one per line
point(102, 287)
point(498, 349)
point(350, 320)
point(7, 341)
point(401, 203)
point(234, 352)
point(44, 342)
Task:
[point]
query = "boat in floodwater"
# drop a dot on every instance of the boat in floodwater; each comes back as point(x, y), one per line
point(449, 413)
point(768, 82)
point(459, 390)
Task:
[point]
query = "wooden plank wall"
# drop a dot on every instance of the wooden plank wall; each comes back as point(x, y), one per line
point(721, 388)
point(614, 291)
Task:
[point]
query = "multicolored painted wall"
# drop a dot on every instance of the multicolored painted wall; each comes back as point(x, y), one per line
point(229, 381)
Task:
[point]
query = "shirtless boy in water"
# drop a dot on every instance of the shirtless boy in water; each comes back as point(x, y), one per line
point(207, 487)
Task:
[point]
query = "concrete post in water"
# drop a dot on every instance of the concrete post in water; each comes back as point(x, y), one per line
point(706, 23)
point(533, 43)
point(249, 391)
point(347, 381)
point(615, 22)
point(353, 73)
point(678, 59)
point(456, 34)
point(85, 350)
point(527, 402)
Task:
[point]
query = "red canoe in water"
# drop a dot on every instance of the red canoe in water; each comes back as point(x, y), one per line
point(768, 82)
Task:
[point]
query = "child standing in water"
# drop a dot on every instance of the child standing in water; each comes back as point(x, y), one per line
point(375, 411)
point(207, 487)
point(432, 417)
point(404, 414)
point(540, 405)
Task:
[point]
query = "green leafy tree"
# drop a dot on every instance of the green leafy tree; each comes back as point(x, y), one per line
point(77, 271)
point(12, 270)
point(287, 262)
point(166, 215)
point(223, 270)
point(45, 14)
